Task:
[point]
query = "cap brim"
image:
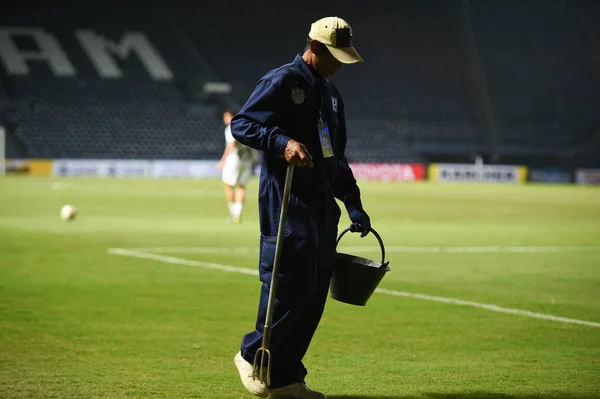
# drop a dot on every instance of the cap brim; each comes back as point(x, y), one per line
point(345, 55)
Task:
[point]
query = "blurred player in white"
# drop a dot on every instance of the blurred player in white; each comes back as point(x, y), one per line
point(236, 167)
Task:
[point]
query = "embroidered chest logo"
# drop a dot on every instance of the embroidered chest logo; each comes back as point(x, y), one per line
point(334, 104)
point(298, 95)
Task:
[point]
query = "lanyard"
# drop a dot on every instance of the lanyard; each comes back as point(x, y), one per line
point(321, 97)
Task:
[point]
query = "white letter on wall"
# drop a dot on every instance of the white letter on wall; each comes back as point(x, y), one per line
point(99, 49)
point(15, 61)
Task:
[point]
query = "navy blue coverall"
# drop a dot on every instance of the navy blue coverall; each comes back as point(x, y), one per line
point(286, 104)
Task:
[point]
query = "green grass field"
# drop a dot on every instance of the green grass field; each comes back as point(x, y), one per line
point(79, 322)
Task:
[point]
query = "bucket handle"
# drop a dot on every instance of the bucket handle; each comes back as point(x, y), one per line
point(372, 230)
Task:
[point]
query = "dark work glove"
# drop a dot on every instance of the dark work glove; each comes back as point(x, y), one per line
point(361, 223)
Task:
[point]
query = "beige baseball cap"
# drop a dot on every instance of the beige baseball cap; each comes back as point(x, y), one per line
point(336, 34)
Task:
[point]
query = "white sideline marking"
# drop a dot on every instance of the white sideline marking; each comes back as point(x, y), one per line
point(565, 248)
point(180, 261)
point(477, 250)
point(196, 250)
point(415, 249)
point(118, 189)
point(493, 308)
point(135, 253)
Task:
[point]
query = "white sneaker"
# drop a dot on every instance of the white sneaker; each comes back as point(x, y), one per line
point(253, 386)
point(298, 390)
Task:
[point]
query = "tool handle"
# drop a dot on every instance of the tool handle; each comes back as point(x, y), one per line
point(278, 249)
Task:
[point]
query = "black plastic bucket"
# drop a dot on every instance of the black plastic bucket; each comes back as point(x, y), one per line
point(354, 278)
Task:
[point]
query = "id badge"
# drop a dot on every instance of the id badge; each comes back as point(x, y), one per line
point(325, 140)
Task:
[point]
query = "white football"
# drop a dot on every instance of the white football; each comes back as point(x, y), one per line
point(68, 212)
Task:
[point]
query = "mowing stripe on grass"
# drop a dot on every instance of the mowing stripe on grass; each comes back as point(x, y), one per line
point(136, 253)
point(415, 249)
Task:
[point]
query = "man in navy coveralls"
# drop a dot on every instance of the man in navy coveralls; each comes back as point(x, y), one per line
point(296, 115)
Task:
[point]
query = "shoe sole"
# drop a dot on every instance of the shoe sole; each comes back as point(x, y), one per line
point(237, 360)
